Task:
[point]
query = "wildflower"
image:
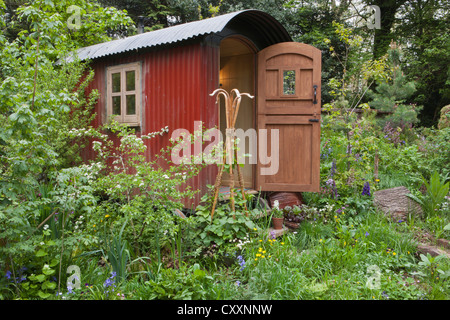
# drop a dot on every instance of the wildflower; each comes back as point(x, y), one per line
point(367, 233)
point(8, 275)
point(241, 262)
point(272, 235)
point(45, 226)
point(238, 283)
point(107, 216)
point(111, 280)
point(366, 189)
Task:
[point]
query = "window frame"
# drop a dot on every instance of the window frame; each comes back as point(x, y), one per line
point(131, 120)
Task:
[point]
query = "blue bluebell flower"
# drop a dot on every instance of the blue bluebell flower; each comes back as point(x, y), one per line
point(241, 262)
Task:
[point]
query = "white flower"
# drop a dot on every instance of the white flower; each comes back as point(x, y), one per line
point(46, 227)
point(276, 204)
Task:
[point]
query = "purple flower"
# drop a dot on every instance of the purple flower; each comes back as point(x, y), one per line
point(8, 275)
point(333, 168)
point(366, 189)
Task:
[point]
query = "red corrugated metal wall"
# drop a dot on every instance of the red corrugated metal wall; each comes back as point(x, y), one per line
point(176, 85)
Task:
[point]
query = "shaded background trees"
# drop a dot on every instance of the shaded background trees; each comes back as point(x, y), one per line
point(419, 27)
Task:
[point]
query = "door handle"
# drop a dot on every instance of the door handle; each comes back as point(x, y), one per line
point(315, 94)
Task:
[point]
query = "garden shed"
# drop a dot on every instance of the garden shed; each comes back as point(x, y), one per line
point(165, 78)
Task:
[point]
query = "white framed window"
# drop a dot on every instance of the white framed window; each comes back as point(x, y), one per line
point(124, 93)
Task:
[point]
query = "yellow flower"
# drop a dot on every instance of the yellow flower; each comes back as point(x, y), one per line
point(107, 216)
point(262, 257)
point(393, 253)
point(282, 243)
point(320, 240)
point(258, 254)
point(260, 249)
point(377, 180)
point(260, 240)
point(264, 251)
point(94, 226)
point(255, 229)
point(256, 259)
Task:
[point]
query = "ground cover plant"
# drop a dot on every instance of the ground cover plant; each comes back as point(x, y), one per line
point(108, 229)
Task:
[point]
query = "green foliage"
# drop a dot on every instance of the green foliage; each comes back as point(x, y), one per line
point(187, 283)
point(436, 147)
point(390, 96)
point(444, 120)
point(118, 254)
point(42, 269)
point(225, 226)
point(436, 192)
point(145, 192)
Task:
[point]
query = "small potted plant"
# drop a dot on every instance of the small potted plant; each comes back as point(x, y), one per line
point(277, 216)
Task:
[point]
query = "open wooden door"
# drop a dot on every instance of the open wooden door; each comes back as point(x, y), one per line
point(288, 106)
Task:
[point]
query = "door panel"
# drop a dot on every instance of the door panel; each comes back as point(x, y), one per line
point(289, 109)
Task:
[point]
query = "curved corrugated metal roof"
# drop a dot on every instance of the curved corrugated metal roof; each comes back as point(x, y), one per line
point(268, 27)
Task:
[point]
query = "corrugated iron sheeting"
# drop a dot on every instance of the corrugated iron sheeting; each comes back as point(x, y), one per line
point(275, 33)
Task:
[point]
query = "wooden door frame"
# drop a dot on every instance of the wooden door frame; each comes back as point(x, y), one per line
point(252, 49)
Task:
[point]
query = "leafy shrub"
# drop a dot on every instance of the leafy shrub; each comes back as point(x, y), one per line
point(187, 283)
point(225, 225)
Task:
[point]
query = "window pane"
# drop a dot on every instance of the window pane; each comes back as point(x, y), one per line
point(289, 82)
point(115, 82)
point(130, 80)
point(131, 104)
point(116, 105)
